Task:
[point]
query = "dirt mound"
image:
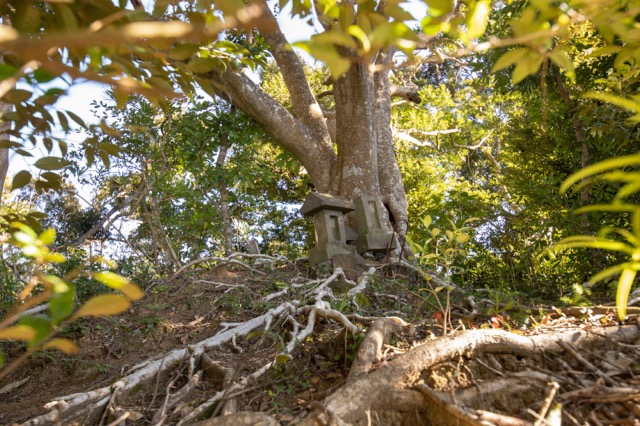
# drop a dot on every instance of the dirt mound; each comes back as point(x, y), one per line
point(277, 338)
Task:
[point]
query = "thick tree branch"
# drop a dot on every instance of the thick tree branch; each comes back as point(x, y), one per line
point(316, 155)
point(305, 106)
point(407, 93)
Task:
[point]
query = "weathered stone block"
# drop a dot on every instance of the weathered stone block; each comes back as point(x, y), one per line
point(329, 226)
point(373, 235)
point(316, 201)
point(324, 252)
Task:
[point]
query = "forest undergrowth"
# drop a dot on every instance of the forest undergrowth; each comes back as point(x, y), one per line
point(270, 340)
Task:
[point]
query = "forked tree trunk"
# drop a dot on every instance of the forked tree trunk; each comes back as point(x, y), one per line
point(363, 161)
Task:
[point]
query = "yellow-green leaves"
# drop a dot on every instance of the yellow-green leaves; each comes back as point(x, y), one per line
point(120, 283)
point(37, 331)
point(34, 245)
point(526, 62)
point(18, 332)
point(632, 103)
point(622, 295)
point(477, 20)
point(51, 163)
point(103, 305)
point(440, 7)
point(562, 59)
point(626, 241)
point(358, 31)
point(327, 53)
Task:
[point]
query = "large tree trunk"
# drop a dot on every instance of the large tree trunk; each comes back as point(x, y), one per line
point(364, 162)
point(355, 133)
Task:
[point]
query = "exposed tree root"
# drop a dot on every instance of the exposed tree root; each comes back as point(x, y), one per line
point(102, 400)
point(453, 380)
point(352, 402)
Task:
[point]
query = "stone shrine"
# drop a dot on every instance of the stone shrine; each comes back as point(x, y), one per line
point(328, 221)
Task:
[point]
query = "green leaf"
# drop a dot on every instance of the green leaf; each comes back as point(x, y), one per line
point(20, 180)
point(427, 221)
point(27, 17)
point(477, 20)
point(619, 101)
point(16, 96)
point(525, 68)
point(332, 37)
point(509, 58)
point(593, 242)
point(48, 237)
point(132, 291)
point(40, 324)
point(329, 54)
point(110, 279)
point(361, 36)
point(255, 334)
point(7, 70)
point(54, 258)
point(76, 118)
point(160, 7)
point(440, 7)
point(64, 122)
point(183, 52)
point(462, 238)
point(61, 305)
point(103, 305)
point(562, 59)
point(283, 359)
point(51, 163)
point(203, 65)
point(110, 148)
point(65, 18)
point(43, 76)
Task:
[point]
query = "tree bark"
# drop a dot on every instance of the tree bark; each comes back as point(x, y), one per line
point(355, 132)
point(391, 185)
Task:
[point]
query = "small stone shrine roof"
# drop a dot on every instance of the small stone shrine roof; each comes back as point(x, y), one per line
point(317, 201)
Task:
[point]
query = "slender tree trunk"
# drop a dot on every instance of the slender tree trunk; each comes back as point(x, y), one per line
point(227, 228)
point(5, 127)
point(4, 152)
point(578, 128)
